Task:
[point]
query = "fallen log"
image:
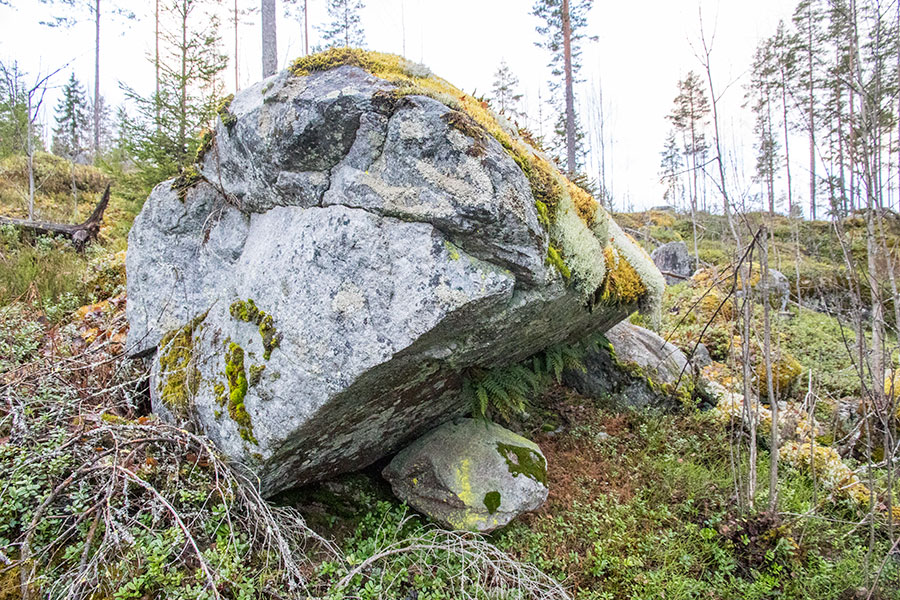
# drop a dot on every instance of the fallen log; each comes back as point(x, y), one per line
point(80, 234)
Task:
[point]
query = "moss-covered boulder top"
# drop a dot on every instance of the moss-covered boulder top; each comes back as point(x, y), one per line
point(356, 236)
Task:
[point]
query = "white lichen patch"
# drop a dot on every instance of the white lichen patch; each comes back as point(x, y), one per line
point(348, 300)
point(582, 249)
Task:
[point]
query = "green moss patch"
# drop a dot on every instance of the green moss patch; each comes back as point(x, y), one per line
point(179, 377)
point(237, 391)
point(524, 461)
point(228, 119)
point(492, 501)
point(248, 312)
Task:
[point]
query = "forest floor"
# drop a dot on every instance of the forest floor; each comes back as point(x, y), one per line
point(643, 504)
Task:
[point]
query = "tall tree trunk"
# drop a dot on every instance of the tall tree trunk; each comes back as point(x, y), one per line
point(570, 93)
point(96, 79)
point(183, 85)
point(269, 43)
point(237, 81)
point(787, 150)
point(812, 119)
point(156, 64)
point(305, 29)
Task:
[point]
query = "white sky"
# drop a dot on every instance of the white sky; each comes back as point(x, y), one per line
point(644, 48)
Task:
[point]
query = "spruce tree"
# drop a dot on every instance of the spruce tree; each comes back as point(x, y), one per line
point(344, 29)
point(73, 122)
point(562, 33)
point(163, 136)
point(92, 8)
point(505, 93)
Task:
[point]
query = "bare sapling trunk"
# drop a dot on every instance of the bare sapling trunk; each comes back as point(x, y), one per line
point(96, 79)
point(570, 93)
point(29, 151)
point(765, 282)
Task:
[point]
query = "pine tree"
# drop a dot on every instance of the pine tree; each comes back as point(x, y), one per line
point(562, 33)
point(808, 17)
point(344, 30)
point(505, 93)
point(763, 93)
point(690, 117)
point(73, 122)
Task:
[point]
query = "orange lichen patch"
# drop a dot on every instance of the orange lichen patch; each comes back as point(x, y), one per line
point(585, 205)
point(622, 284)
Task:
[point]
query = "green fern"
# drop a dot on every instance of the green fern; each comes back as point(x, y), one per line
point(507, 391)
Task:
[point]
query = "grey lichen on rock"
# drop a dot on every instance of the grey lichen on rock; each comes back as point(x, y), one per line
point(470, 474)
point(367, 245)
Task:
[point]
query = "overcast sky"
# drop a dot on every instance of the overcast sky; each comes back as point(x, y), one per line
point(643, 49)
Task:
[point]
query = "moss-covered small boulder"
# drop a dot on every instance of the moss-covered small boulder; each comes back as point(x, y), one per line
point(470, 474)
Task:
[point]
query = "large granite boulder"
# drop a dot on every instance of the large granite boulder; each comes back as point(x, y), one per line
point(470, 474)
point(639, 369)
point(315, 293)
point(674, 261)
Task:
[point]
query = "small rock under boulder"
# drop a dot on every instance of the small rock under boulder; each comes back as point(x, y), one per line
point(674, 262)
point(622, 374)
point(470, 475)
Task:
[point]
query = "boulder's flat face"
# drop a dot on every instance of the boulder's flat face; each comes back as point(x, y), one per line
point(315, 301)
point(470, 475)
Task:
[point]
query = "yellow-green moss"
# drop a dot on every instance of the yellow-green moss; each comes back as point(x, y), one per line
point(188, 178)
point(248, 312)
point(555, 258)
point(179, 378)
point(237, 391)
point(207, 137)
point(452, 250)
point(524, 461)
point(228, 119)
point(622, 285)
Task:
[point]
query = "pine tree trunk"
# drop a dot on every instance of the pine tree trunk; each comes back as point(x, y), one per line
point(183, 85)
point(97, 80)
point(305, 29)
point(570, 94)
point(156, 63)
point(812, 121)
point(269, 45)
point(237, 82)
point(787, 150)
